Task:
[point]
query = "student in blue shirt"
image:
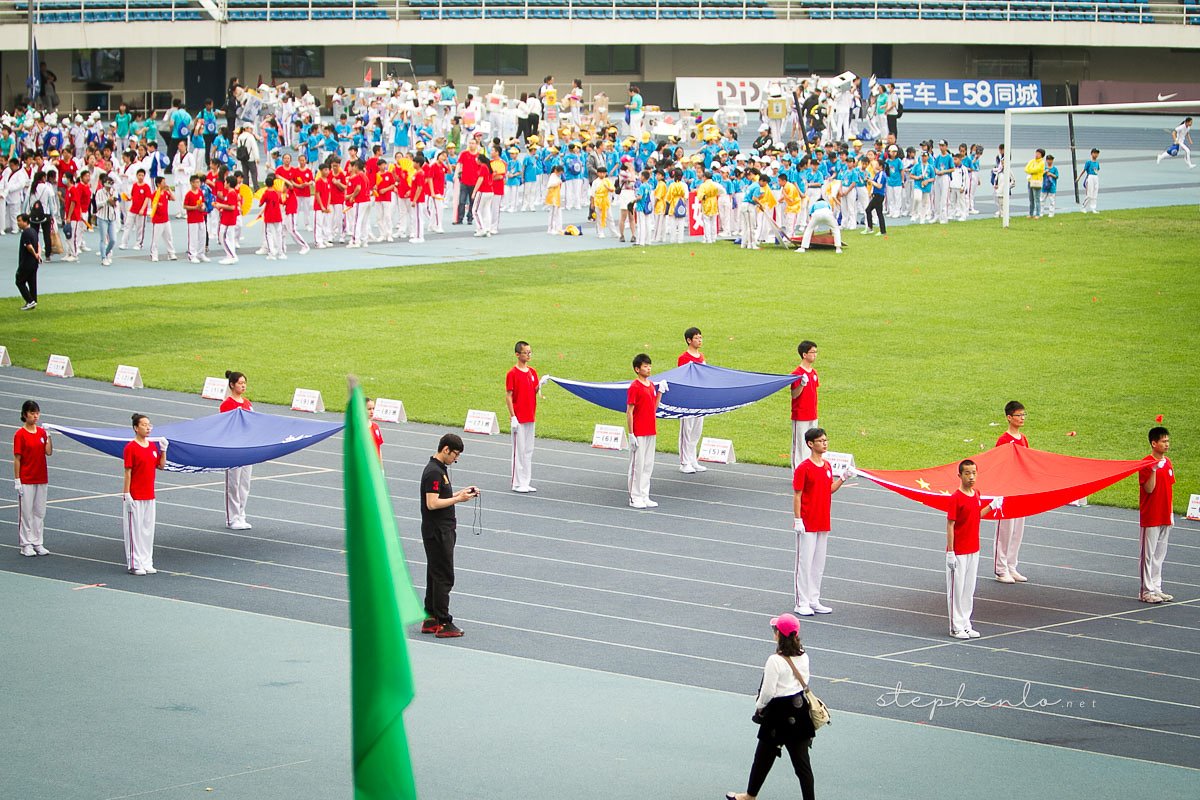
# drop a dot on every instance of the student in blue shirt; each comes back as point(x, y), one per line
point(895, 183)
point(878, 192)
point(1091, 182)
point(923, 177)
point(644, 206)
point(513, 180)
point(1049, 187)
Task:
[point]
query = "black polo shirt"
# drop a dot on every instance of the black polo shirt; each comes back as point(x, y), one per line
point(29, 238)
point(436, 480)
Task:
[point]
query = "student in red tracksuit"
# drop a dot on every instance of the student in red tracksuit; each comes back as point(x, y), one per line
point(237, 479)
point(1009, 532)
point(1155, 515)
point(962, 550)
point(193, 206)
point(31, 447)
point(160, 217)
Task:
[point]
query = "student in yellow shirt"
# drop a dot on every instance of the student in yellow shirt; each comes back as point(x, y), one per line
point(766, 204)
point(1036, 170)
point(660, 206)
point(709, 194)
point(602, 194)
point(554, 201)
point(793, 204)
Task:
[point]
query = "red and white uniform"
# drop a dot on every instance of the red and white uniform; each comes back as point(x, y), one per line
point(160, 211)
point(804, 412)
point(522, 386)
point(377, 436)
point(237, 480)
point(193, 204)
point(303, 178)
point(358, 208)
point(228, 221)
point(139, 515)
point(272, 215)
point(79, 197)
point(644, 399)
point(1155, 516)
point(139, 212)
point(385, 201)
point(34, 477)
point(814, 483)
point(965, 511)
point(323, 210)
point(1009, 532)
point(421, 199)
point(691, 429)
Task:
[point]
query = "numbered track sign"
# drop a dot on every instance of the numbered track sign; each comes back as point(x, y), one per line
point(389, 411)
point(1193, 511)
point(840, 462)
point(609, 437)
point(60, 367)
point(128, 377)
point(5, 361)
point(1080, 503)
point(717, 451)
point(308, 400)
point(484, 422)
point(215, 389)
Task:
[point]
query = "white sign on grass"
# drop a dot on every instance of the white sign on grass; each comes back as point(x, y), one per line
point(389, 411)
point(5, 361)
point(609, 437)
point(717, 451)
point(128, 377)
point(60, 367)
point(308, 400)
point(482, 422)
point(1193, 511)
point(215, 389)
point(840, 463)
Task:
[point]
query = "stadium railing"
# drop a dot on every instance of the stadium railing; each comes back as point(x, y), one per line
point(1112, 11)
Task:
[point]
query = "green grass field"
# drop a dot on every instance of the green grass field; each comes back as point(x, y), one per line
point(923, 336)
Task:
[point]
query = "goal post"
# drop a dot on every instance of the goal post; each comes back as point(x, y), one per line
point(1101, 108)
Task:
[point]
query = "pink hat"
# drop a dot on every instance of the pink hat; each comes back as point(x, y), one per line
point(786, 624)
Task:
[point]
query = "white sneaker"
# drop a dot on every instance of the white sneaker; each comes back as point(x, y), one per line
point(802, 250)
point(523, 489)
point(28, 551)
point(1005, 578)
point(305, 249)
point(241, 525)
point(838, 251)
point(204, 258)
point(481, 234)
point(865, 232)
point(283, 256)
point(151, 571)
point(821, 609)
point(686, 470)
point(193, 260)
point(961, 635)
point(803, 611)
point(651, 504)
point(701, 468)
point(1160, 158)
point(974, 634)
point(138, 571)
point(154, 259)
point(228, 261)
point(420, 240)
point(70, 258)
point(107, 262)
point(41, 551)
point(172, 257)
point(262, 251)
point(636, 504)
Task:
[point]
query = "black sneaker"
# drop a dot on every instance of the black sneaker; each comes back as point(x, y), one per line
point(449, 631)
point(430, 625)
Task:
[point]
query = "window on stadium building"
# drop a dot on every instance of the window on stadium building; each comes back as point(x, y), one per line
point(298, 62)
point(501, 59)
point(612, 59)
point(427, 59)
point(807, 59)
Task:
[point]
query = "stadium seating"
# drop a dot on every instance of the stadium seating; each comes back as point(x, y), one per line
point(1112, 11)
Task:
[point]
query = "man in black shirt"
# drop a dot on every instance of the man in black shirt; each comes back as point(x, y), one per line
point(27, 263)
point(438, 535)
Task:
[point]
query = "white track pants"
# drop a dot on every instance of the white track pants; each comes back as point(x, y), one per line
point(960, 591)
point(1154, 552)
point(822, 218)
point(162, 233)
point(237, 492)
point(522, 455)
point(810, 566)
point(641, 466)
point(31, 514)
point(690, 431)
point(1009, 533)
point(800, 450)
point(138, 523)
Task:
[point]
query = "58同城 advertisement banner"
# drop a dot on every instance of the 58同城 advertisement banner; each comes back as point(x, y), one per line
point(936, 94)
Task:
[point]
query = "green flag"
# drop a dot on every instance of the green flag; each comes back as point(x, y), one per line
point(382, 603)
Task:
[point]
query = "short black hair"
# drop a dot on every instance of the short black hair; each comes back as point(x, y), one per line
point(812, 434)
point(1012, 407)
point(1158, 432)
point(966, 462)
point(29, 407)
point(517, 347)
point(805, 346)
point(641, 358)
point(691, 333)
point(451, 440)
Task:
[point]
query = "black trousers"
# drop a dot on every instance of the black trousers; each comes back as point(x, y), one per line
point(439, 573)
point(209, 138)
point(250, 173)
point(764, 759)
point(46, 227)
point(462, 209)
point(27, 281)
point(876, 204)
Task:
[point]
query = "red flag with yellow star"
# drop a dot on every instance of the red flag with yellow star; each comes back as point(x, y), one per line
point(1030, 481)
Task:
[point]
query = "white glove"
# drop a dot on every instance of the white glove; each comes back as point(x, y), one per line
point(798, 525)
point(996, 504)
point(663, 388)
point(17, 486)
point(1162, 462)
point(513, 422)
point(163, 443)
point(850, 474)
point(803, 380)
point(951, 561)
point(128, 497)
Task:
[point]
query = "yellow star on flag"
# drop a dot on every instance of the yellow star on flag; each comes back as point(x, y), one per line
point(924, 484)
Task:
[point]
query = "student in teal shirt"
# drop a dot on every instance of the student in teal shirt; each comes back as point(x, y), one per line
point(1091, 183)
point(1049, 186)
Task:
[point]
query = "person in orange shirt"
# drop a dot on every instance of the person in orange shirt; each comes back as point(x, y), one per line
point(160, 217)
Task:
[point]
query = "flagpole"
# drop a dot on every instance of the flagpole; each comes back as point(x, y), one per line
point(32, 66)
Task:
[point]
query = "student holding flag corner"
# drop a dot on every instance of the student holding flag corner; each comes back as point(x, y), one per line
point(642, 399)
point(962, 549)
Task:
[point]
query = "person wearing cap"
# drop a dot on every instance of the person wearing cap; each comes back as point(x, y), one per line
point(781, 711)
